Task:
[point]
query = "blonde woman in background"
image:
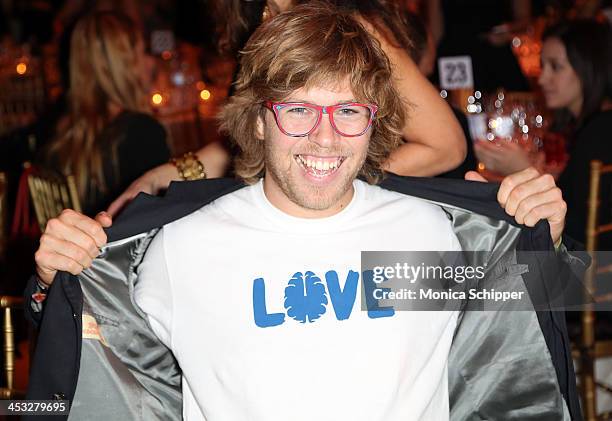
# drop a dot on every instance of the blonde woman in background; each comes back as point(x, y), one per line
point(108, 138)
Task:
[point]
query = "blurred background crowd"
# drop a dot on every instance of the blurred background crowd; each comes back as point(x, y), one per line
point(104, 91)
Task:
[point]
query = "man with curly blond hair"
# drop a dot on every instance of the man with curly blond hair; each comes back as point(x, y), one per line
point(255, 286)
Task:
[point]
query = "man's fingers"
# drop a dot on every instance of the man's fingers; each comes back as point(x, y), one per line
point(57, 229)
point(530, 197)
point(553, 211)
point(522, 191)
point(511, 182)
point(529, 203)
point(70, 243)
point(474, 176)
point(85, 224)
point(104, 219)
point(44, 266)
point(65, 248)
point(52, 262)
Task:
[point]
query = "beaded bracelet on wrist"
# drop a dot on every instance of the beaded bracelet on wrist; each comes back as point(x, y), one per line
point(189, 167)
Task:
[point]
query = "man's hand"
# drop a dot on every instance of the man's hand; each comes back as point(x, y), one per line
point(70, 243)
point(530, 196)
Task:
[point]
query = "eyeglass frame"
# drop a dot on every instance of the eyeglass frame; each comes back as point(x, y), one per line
point(322, 109)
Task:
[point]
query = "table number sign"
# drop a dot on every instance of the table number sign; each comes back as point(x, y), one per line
point(456, 72)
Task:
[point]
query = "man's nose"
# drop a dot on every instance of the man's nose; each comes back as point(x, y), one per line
point(324, 134)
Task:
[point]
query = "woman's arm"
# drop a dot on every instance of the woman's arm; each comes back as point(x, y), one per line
point(434, 140)
point(213, 156)
point(216, 159)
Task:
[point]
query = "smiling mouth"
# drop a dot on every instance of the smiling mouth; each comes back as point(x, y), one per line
point(319, 167)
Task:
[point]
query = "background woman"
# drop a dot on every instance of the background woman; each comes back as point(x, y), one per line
point(107, 139)
point(575, 80)
point(434, 139)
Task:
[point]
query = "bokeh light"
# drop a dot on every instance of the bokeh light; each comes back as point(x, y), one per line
point(205, 94)
point(21, 68)
point(157, 98)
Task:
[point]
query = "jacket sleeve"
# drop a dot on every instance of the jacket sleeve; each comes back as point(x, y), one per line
point(574, 261)
point(34, 298)
point(56, 359)
point(554, 279)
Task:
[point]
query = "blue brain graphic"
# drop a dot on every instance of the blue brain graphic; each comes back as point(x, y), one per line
point(305, 297)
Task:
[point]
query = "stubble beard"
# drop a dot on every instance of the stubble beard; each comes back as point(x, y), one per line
point(303, 193)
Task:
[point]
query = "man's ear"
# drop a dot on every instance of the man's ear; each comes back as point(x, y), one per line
point(259, 127)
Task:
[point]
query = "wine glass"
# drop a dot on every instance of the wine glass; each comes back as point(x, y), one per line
point(511, 121)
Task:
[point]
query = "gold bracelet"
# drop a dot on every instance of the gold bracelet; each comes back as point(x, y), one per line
point(189, 167)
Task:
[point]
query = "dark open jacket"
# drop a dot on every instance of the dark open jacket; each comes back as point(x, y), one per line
point(503, 365)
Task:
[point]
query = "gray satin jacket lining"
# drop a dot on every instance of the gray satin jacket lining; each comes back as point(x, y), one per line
point(134, 376)
point(499, 365)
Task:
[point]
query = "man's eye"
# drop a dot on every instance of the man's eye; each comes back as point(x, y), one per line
point(297, 110)
point(353, 112)
point(348, 111)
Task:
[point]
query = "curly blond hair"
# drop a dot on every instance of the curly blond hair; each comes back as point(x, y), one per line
point(313, 44)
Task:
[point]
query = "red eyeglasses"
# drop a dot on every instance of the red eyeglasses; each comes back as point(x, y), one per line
point(299, 119)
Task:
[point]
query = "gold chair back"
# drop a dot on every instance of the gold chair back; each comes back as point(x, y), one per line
point(3, 214)
point(7, 305)
point(591, 348)
point(52, 193)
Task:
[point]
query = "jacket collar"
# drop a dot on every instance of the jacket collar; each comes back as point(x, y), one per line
point(147, 212)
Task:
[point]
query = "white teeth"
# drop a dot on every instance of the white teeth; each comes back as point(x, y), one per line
point(319, 165)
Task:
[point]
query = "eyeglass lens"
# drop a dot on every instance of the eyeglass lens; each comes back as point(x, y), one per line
point(300, 119)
